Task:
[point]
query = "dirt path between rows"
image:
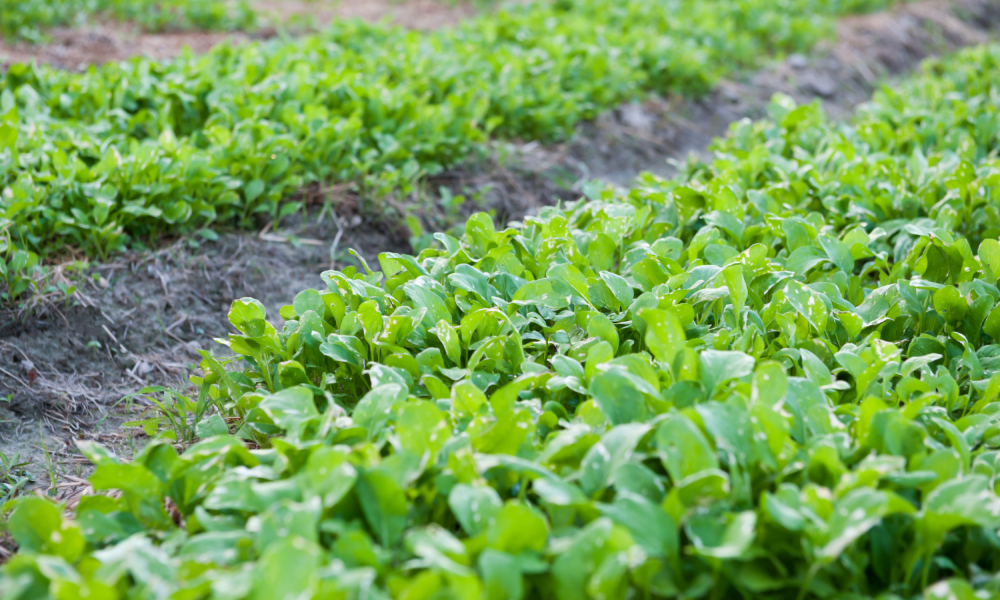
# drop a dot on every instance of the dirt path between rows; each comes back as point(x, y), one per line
point(870, 50)
point(65, 370)
point(109, 41)
point(140, 321)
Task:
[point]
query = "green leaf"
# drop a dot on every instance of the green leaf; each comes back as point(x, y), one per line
point(328, 475)
point(287, 570)
point(808, 304)
point(619, 393)
point(769, 384)
point(37, 526)
point(601, 327)
point(422, 428)
point(838, 253)
point(472, 280)
point(727, 222)
point(450, 340)
point(291, 409)
point(248, 315)
point(466, 399)
point(951, 589)
point(601, 252)
point(683, 448)
point(619, 287)
point(950, 304)
point(383, 504)
point(783, 509)
point(989, 257)
point(599, 465)
point(584, 553)
point(967, 501)
point(718, 367)
point(377, 407)
point(917, 362)
point(653, 529)
point(737, 286)
point(664, 334)
point(815, 369)
point(424, 298)
point(309, 300)
point(552, 293)
point(722, 538)
point(856, 513)
point(475, 507)
point(501, 575)
point(570, 276)
point(518, 527)
point(212, 426)
point(992, 324)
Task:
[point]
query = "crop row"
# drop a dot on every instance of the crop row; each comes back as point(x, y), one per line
point(126, 152)
point(28, 19)
point(776, 376)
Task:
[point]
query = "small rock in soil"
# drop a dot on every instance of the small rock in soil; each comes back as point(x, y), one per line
point(729, 93)
point(635, 116)
point(819, 84)
point(797, 61)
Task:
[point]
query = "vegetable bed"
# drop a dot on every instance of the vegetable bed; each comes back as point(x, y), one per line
point(127, 152)
point(774, 377)
point(28, 19)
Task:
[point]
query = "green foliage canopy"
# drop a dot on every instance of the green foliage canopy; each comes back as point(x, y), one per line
point(126, 152)
point(776, 376)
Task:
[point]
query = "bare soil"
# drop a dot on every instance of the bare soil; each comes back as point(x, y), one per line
point(414, 14)
point(141, 320)
point(656, 134)
point(869, 51)
point(151, 312)
point(109, 41)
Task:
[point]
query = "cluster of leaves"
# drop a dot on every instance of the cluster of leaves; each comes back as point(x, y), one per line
point(13, 476)
point(18, 269)
point(28, 19)
point(24, 280)
point(776, 376)
point(127, 151)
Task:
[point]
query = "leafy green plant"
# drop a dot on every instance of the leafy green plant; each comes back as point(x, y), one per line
point(13, 476)
point(18, 269)
point(28, 19)
point(127, 152)
point(775, 376)
point(25, 283)
point(166, 15)
point(185, 418)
